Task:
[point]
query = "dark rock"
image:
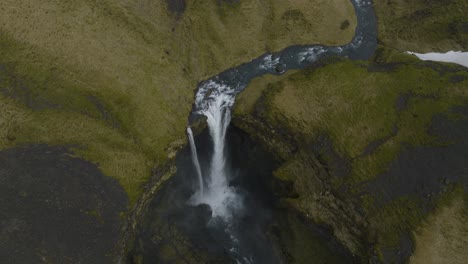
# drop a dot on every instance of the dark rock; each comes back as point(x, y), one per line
point(176, 6)
point(402, 101)
point(458, 78)
point(420, 170)
point(56, 208)
point(335, 164)
point(106, 114)
point(11, 85)
point(280, 68)
point(401, 253)
point(374, 145)
point(197, 122)
point(344, 25)
point(421, 14)
point(464, 27)
point(284, 189)
point(228, 1)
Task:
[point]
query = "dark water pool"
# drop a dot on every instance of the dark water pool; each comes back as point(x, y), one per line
point(264, 231)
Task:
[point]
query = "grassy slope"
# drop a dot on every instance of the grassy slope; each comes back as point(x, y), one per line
point(212, 36)
point(423, 26)
point(236, 33)
point(443, 238)
point(355, 107)
point(115, 79)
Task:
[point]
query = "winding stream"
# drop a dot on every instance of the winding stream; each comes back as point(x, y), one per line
point(217, 202)
point(233, 81)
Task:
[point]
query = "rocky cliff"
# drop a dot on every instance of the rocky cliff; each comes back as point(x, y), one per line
point(369, 149)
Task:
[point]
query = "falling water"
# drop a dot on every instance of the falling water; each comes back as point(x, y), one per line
point(215, 98)
point(214, 101)
point(195, 161)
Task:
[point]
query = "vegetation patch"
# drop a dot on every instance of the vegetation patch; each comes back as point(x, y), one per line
point(356, 107)
point(423, 26)
point(372, 112)
point(443, 236)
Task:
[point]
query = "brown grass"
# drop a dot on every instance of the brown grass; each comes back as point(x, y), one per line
point(444, 236)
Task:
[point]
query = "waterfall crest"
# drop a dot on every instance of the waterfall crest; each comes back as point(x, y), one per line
point(215, 100)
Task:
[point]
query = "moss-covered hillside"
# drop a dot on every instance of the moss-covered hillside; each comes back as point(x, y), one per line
point(375, 149)
point(115, 79)
point(423, 25)
point(341, 128)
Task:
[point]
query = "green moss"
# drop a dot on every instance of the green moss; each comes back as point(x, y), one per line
point(290, 170)
point(395, 219)
point(405, 215)
point(423, 25)
point(452, 194)
point(301, 245)
point(356, 105)
point(390, 100)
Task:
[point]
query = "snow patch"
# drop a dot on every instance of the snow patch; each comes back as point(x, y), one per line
point(457, 57)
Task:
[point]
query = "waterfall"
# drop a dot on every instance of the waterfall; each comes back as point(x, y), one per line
point(193, 148)
point(215, 101)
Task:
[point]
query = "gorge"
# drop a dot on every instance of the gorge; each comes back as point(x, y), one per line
point(233, 131)
point(215, 97)
point(240, 219)
point(214, 101)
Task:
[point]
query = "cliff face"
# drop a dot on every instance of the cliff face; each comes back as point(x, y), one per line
point(368, 147)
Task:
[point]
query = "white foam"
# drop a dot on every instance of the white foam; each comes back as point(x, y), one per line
point(357, 41)
point(215, 100)
point(457, 57)
point(269, 62)
point(310, 54)
point(362, 3)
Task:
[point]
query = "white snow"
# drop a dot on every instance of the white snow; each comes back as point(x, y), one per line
point(457, 57)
